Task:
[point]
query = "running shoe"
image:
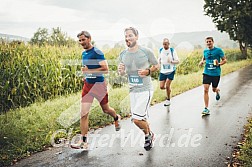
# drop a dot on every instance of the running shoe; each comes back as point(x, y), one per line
point(206, 112)
point(80, 145)
point(148, 145)
point(217, 96)
point(167, 103)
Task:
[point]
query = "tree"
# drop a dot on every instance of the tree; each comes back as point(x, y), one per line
point(56, 38)
point(106, 47)
point(119, 45)
point(197, 47)
point(41, 37)
point(233, 17)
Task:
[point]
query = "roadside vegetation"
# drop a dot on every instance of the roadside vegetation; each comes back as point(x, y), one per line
point(245, 153)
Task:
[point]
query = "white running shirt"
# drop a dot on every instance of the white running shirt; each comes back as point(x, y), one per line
point(163, 58)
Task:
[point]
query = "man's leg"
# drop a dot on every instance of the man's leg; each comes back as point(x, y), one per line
point(82, 143)
point(215, 88)
point(168, 88)
point(101, 95)
point(85, 107)
point(206, 84)
point(149, 136)
point(143, 125)
point(108, 110)
point(163, 81)
point(111, 111)
point(162, 84)
point(86, 103)
point(206, 95)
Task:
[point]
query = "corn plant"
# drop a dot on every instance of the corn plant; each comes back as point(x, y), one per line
point(30, 73)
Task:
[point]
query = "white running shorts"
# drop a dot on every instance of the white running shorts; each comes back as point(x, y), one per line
point(139, 104)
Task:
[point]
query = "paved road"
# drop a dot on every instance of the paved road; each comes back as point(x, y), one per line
point(183, 136)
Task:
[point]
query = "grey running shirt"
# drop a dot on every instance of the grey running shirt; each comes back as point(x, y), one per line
point(133, 61)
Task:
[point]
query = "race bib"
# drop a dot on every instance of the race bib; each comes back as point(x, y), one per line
point(89, 76)
point(135, 80)
point(211, 66)
point(166, 66)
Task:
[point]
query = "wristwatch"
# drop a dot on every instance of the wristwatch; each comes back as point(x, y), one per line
point(149, 71)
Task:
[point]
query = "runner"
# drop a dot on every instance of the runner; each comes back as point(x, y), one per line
point(168, 59)
point(213, 58)
point(94, 66)
point(135, 61)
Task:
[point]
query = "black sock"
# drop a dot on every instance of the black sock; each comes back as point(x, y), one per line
point(167, 99)
point(84, 138)
point(116, 118)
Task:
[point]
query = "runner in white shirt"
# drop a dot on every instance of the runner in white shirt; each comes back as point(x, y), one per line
point(168, 59)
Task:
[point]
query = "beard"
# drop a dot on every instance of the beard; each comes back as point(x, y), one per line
point(131, 44)
point(85, 46)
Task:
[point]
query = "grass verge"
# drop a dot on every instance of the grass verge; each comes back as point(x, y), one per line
point(242, 154)
point(245, 156)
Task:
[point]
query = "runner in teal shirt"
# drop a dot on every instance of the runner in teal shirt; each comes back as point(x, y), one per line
point(210, 55)
point(213, 58)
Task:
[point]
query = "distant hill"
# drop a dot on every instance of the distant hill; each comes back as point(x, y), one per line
point(13, 37)
point(184, 39)
point(195, 39)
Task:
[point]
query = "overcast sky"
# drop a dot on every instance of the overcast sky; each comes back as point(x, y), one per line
point(104, 19)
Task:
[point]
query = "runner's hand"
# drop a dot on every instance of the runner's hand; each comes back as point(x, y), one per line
point(84, 69)
point(201, 63)
point(143, 73)
point(121, 69)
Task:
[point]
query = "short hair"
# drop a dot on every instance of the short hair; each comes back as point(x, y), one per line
point(166, 39)
point(211, 38)
point(134, 30)
point(85, 33)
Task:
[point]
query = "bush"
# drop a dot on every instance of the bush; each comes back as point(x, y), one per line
point(190, 64)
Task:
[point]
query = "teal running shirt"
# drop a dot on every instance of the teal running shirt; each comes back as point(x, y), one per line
point(210, 55)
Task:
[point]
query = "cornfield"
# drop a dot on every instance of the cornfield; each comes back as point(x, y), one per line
point(30, 73)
